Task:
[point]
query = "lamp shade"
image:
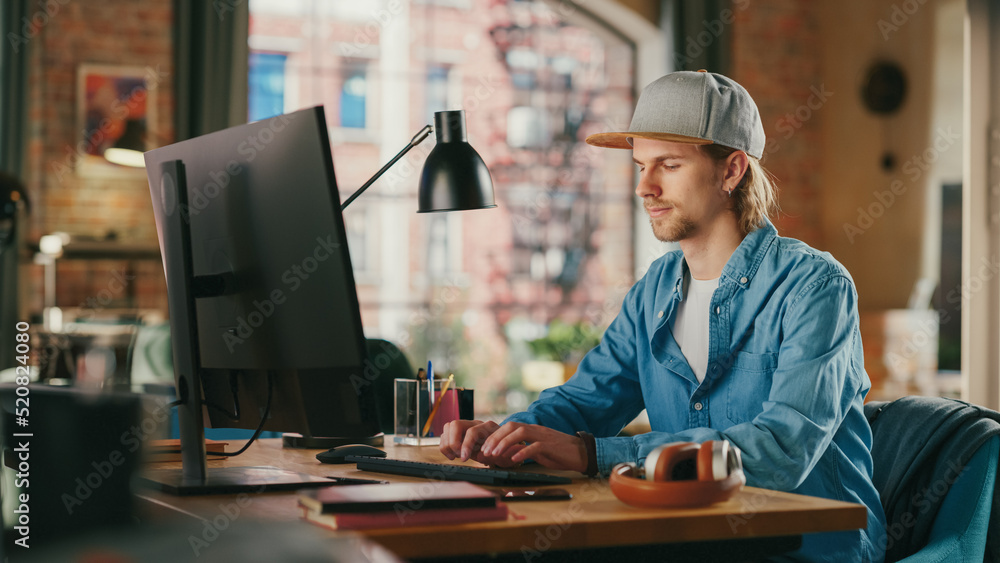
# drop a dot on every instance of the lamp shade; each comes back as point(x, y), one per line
point(454, 177)
point(127, 150)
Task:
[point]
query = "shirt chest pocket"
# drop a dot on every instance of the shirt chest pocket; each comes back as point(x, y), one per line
point(749, 383)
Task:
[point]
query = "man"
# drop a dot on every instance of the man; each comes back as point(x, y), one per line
point(741, 335)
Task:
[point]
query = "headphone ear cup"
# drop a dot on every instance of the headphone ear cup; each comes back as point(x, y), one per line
point(627, 470)
point(649, 466)
point(713, 460)
point(705, 461)
point(673, 462)
point(734, 463)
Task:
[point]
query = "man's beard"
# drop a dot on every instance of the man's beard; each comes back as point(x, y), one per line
point(674, 228)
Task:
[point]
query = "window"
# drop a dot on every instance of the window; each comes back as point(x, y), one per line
point(353, 98)
point(453, 287)
point(267, 85)
point(356, 224)
point(437, 91)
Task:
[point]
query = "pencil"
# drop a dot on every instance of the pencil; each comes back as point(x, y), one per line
point(430, 417)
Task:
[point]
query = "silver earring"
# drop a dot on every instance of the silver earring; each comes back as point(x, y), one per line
point(730, 192)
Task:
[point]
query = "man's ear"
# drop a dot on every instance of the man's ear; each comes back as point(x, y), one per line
point(736, 165)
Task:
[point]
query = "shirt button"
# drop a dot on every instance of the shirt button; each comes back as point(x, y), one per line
point(717, 309)
point(697, 406)
point(743, 280)
point(659, 315)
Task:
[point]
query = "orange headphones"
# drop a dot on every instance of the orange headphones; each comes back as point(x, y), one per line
point(681, 474)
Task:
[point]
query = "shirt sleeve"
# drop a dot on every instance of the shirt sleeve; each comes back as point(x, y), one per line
point(604, 395)
point(816, 380)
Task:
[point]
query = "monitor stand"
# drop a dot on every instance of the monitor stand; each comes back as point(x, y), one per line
point(230, 480)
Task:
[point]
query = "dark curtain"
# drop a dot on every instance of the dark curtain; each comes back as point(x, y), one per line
point(702, 33)
point(211, 55)
point(14, 78)
point(14, 45)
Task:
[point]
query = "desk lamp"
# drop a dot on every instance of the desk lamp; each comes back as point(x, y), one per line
point(454, 177)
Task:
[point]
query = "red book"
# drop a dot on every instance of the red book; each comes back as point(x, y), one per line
point(394, 519)
point(396, 498)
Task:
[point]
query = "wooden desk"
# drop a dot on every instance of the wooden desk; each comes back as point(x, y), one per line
point(595, 518)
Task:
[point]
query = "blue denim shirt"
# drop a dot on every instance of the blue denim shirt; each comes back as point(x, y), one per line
point(785, 381)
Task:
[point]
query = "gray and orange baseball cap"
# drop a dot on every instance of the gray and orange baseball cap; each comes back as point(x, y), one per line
point(692, 107)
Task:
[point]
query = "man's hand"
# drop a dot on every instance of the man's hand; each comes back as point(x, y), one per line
point(462, 438)
point(513, 443)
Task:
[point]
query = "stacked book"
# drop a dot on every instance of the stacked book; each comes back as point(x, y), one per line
point(357, 507)
point(170, 450)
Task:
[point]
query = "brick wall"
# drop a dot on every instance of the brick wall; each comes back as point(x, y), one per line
point(804, 63)
point(776, 55)
point(97, 202)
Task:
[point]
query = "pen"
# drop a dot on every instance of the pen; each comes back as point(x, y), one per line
point(430, 417)
point(430, 382)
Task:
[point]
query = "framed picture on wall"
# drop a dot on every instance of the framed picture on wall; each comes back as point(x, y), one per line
point(116, 108)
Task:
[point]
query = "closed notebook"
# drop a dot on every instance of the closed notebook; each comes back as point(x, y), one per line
point(396, 497)
point(395, 519)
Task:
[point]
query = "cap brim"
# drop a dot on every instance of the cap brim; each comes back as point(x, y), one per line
point(620, 140)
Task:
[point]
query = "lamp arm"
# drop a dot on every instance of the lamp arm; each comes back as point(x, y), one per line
point(416, 140)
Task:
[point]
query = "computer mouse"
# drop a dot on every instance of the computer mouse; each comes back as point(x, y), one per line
point(337, 454)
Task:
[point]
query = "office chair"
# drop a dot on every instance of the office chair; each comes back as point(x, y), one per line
point(935, 465)
point(959, 531)
point(386, 364)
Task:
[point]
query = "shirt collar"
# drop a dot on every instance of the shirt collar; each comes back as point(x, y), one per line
point(743, 264)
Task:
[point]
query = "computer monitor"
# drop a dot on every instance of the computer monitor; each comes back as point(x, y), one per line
point(264, 312)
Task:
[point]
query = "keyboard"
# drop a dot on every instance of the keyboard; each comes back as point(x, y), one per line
point(447, 472)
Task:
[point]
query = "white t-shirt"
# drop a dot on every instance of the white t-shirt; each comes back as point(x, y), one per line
point(691, 323)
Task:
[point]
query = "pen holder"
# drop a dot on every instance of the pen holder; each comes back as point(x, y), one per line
point(412, 407)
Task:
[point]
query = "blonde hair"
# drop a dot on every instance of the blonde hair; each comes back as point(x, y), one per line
point(756, 196)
